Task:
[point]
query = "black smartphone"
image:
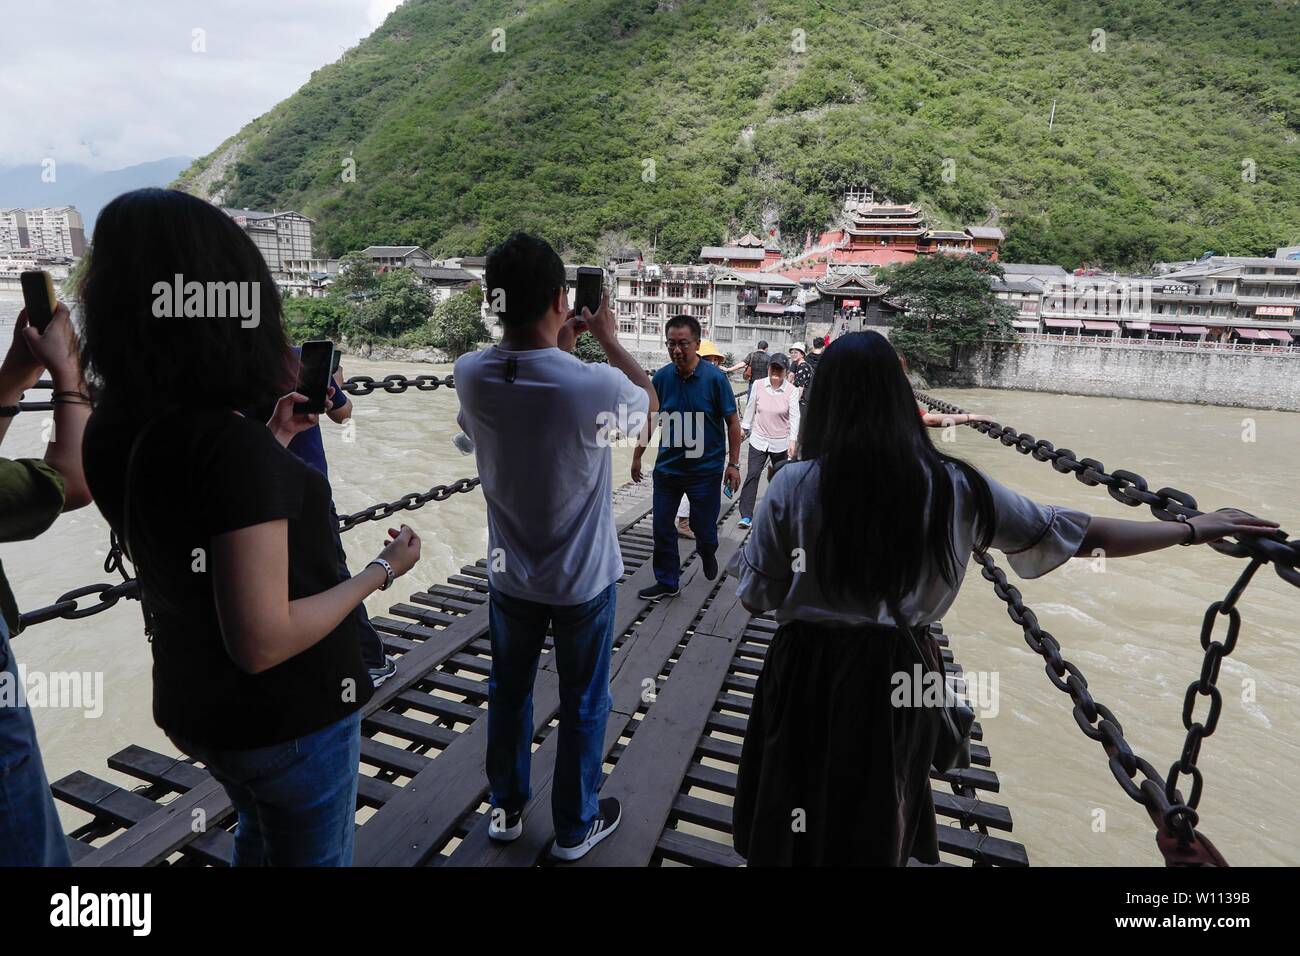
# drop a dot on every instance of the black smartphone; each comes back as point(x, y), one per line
point(590, 282)
point(39, 299)
point(315, 369)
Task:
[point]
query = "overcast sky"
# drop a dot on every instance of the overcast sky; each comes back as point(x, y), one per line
point(108, 83)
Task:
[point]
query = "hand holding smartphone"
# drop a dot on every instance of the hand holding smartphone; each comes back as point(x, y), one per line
point(39, 299)
point(315, 370)
point(591, 281)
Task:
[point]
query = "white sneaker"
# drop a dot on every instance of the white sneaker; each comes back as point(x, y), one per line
point(605, 824)
point(505, 827)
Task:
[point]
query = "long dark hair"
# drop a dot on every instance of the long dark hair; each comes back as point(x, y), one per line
point(885, 494)
point(146, 363)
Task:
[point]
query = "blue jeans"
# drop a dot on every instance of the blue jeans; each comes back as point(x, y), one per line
point(704, 494)
point(30, 832)
point(584, 639)
point(372, 648)
point(297, 801)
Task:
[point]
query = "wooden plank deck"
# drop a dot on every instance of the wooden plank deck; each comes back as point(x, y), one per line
point(682, 678)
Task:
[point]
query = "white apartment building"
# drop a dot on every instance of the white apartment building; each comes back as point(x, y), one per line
point(57, 231)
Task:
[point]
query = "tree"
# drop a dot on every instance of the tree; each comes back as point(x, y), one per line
point(357, 277)
point(457, 323)
point(398, 304)
point(949, 301)
point(307, 318)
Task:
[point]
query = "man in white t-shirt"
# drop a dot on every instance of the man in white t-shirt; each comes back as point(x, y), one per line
point(542, 423)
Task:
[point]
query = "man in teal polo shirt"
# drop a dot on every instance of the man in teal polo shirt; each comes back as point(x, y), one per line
point(699, 445)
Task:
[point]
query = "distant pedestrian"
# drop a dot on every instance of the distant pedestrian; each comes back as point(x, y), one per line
point(756, 367)
point(699, 448)
point(772, 425)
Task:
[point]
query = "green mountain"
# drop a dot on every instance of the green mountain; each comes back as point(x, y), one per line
point(673, 123)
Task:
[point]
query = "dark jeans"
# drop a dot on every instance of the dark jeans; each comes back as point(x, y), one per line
point(704, 493)
point(297, 801)
point(584, 640)
point(753, 471)
point(372, 648)
point(30, 832)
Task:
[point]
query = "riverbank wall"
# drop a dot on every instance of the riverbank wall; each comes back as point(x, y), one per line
point(1268, 380)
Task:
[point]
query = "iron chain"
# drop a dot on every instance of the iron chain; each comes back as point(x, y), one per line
point(109, 594)
point(1131, 489)
point(1162, 800)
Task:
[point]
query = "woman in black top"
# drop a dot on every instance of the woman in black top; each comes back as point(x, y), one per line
point(257, 667)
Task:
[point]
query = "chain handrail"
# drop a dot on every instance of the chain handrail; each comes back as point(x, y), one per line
point(66, 608)
point(1130, 488)
point(1174, 816)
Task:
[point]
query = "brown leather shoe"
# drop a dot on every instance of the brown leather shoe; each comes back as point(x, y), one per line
point(684, 528)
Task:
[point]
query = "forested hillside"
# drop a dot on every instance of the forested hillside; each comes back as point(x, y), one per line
point(677, 122)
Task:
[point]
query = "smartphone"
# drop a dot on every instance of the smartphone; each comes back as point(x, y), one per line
point(39, 299)
point(590, 282)
point(315, 369)
point(726, 489)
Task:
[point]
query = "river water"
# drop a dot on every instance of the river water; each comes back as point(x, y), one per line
point(1131, 625)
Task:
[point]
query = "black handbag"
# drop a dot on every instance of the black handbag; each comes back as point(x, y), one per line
point(956, 718)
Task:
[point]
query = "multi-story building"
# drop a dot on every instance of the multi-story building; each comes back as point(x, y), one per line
point(52, 232)
point(736, 308)
point(1216, 299)
point(281, 236)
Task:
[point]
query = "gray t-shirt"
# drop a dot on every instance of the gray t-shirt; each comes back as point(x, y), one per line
point(1035, 538)
point(542, 444)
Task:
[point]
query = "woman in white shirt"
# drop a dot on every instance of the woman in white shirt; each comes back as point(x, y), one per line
point(872, 530)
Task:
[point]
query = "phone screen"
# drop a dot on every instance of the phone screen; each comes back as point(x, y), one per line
point(590, 282)
point(314, 372)
point(38, 298)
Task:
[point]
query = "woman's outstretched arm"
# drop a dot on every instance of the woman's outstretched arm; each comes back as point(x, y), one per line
point(1120, 538)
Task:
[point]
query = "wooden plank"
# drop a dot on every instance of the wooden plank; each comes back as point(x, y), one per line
point(643, 657)
point(418, 821)
point(696, 851)
point(649, 775)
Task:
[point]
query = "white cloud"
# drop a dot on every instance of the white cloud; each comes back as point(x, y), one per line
point(108, 83)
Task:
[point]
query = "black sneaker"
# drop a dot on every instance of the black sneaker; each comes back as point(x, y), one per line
point(384, 671)
point(605, 824)
point(504, 826)
point(656, 591)
point(710, 564)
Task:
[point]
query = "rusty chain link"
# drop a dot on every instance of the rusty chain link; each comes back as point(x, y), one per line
point(1131, 489)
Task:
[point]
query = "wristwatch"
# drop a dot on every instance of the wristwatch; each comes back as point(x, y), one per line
point(733, 464)
point(388, 572)
point(1191, 528)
